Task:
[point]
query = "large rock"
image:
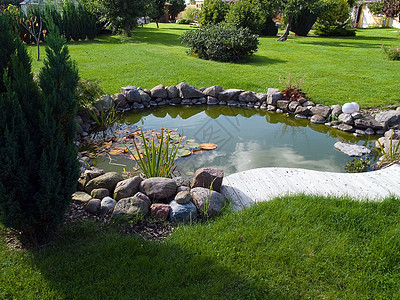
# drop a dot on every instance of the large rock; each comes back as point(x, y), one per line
point(107, 181)
point(93, 206)
point(282, 104)
point(160, 211)
point(345, 128)
point(304, 111)
point(183, 197)
point(188, 92)
point(317, 119)
point(159, 91)
point(120, 101)
point(229, 95)
point(172, 92)
point(205, 177)
point(248, 97)
point(182, 212)
point(388, 118)
point(293, 105)
point(213, 91)
point(88, 175)
point(262, 97)
point(127, 188)
point(352, 149)
point(368, 123)
point(107, 204)
point(130, 207)
point(159, 189)
point(81, 197)
point(336, 110)
point(100, 193)
point(321, 110)
point(346, 119)
point(144, 97)
point(273, 95)
point(208, 202)
point(104, 104)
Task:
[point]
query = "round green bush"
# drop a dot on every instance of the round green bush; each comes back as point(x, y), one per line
point(221, 42)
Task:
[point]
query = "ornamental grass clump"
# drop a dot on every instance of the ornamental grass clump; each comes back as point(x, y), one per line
point(392, 53)
point(221, 42)
point(157, 155)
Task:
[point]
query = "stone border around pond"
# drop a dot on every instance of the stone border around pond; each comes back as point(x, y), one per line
point(133, 98)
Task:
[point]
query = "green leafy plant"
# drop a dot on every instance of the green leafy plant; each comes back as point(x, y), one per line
point(185, 21)
point(393, 53)
point(158, 154)
point(105, 119)
point(389, 155)
point(87, 92)
point(358, 165)
point(221, 42)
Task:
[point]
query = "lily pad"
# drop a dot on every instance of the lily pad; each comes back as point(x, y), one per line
point(208, 146)
point(183, 152)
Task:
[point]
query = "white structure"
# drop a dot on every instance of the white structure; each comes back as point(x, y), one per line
point(364, 18)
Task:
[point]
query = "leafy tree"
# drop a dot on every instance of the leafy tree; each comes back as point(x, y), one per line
point(38, 165)
point(300, 16)
point(156, 10)
point(121, 15)
point(391, 8)
point(176, 7)
point(191, 13)
point(213, 12)
point(255, 15)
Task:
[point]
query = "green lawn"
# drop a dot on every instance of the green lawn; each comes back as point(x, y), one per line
point(335, 70)
point(290, 248)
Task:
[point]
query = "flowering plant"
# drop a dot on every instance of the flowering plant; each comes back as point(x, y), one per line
point(393, 53)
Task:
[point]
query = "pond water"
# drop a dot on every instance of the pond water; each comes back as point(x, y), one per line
point(246, 138)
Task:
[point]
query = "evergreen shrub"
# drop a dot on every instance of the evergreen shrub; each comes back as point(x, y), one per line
point(221, 42)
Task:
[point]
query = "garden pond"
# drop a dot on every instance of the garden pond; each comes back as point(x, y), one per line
point(246, 138)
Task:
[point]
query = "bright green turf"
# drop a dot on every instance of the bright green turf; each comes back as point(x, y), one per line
point(335, 70)
point(290, 248)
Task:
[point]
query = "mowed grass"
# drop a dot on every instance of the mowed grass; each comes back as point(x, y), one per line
point(334, 70)
point(289, 248)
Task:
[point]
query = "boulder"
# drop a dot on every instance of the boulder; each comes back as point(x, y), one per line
point(262, 97)
point(100, 193)
point(172, 92)
point(321, 110)
point(159, 91)
point(81, 197)
point(160, 211)
point(336, 110)
point(368, 123)
point(88, 175)
point(130, 207)
point(107, 181)
point(388, 118)
point(293, 105)
point(301, 110)
point(183, 197)
point(127, 188)
point(182, 188)
point(144, 197)
point(144, 97)
point(352, 149)
point(282, 104)
point(346, 119)
point(208, 202)
point(307, 103)
point(273, 95)
point(317, 119)
point(188, 92)
point(212, 100)
point(182, 212)
point(120, 101)
point(133, 95)
point(205, 177)
point(213, 91)
point(93, 206)
point(247, 97)
point(104, 104)
point(159, 188)
point(107, 205)
point(229, 95)
point(345, 127)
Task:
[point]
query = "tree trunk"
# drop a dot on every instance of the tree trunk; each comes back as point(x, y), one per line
point(157, 24)
point(38, 49)
point(286, 34)
point(303, 23)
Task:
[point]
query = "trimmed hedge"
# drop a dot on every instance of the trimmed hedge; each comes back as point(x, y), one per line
point(221, 42)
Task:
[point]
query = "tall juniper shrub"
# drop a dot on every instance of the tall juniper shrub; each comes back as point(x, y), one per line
point(38, 166)
point(221, 42)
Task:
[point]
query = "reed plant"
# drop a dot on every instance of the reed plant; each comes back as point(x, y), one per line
point(390, 154)
point(158, 155)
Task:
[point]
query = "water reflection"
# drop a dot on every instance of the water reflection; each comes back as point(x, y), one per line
point(247, 138)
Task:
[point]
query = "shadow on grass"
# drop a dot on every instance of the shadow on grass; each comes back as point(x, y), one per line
point(350, 42)
point(99, 265)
